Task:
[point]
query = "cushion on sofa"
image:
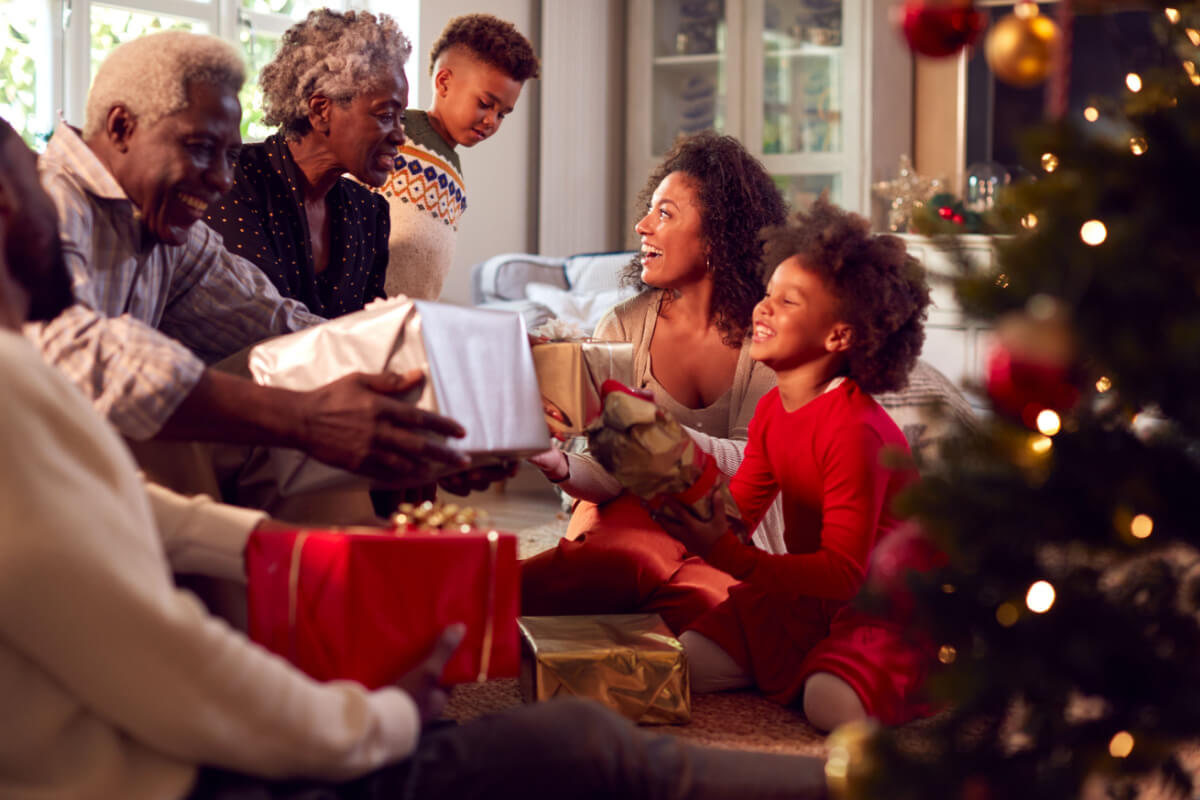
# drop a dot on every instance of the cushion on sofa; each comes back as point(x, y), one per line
point(588, 273)
point(929, 410)
point(582, 309)
point(504, 277)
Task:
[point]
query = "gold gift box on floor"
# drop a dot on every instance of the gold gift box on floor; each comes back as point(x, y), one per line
point(570, 374)
point(631, 663)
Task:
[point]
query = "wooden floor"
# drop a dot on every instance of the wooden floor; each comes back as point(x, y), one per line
point(525, 501)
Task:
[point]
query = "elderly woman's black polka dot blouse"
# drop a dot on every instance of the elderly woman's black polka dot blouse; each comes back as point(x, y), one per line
point(262, 219)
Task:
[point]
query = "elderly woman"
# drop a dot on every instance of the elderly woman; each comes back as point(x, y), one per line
point(336, 90)
point(701, 275)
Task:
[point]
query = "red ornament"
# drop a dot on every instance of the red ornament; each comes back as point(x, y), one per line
point(941, 28)
point(1030, 367)
point(957, 219)
point(945, 212)
point(1023, 389)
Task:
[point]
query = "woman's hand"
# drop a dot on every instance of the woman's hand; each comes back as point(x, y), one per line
point(697, 535)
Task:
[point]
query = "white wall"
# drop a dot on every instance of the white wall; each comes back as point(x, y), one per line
point(582, 157)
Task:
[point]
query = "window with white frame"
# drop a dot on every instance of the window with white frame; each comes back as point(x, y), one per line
point(50, 49)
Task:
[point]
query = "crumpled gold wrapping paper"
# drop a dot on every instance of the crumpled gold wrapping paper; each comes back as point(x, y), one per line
point(570, 374)
point(651, 455)
point(631, 663)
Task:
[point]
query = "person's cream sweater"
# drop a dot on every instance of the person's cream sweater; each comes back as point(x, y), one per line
point(113, 683)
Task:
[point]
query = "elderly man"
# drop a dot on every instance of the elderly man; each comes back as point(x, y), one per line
point(117, 684)
point(158, 297)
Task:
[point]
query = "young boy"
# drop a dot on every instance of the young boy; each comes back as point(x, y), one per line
point(479, 65)
point(843, 317)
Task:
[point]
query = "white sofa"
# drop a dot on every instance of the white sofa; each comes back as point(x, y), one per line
point(577, 289)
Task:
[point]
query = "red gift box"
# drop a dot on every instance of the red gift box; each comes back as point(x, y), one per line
point(369, 606)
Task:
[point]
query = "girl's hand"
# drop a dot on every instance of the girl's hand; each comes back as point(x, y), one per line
point(553, 464)
point(697, 535)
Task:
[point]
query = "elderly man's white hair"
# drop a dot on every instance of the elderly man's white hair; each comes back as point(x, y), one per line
point(150, 76)
point(337, 54)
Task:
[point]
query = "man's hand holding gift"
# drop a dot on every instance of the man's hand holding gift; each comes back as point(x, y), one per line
point(358, 422)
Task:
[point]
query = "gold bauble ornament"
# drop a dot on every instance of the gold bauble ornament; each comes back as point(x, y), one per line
point(851, 765)
point(1021, 47)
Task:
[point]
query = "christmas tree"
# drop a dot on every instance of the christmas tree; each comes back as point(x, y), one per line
point(1066, 618)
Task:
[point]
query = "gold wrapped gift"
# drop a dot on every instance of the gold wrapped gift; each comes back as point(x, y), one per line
point(570, 375)
point(631, 663)
point(651, 455)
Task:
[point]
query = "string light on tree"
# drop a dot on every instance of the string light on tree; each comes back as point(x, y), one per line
point(1137, 145)
point(1040, 597)
point(1133, 82)
point(1172, 15)
point(1029, 221)
point(1121, 745)
point(1141, 526)
point(1091, 113)
point(1048, 422)
point(1049, 162)
point(1093, 232)
point(1103, 384)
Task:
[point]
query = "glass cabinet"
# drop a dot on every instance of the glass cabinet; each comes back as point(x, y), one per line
point(789, 78)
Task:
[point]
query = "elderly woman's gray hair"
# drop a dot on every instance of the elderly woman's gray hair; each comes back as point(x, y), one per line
point(150, 76)
point(336, 54)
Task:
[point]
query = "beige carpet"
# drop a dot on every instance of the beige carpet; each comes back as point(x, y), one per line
point(738, 720)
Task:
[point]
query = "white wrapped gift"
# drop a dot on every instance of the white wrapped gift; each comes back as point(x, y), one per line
point(478, 366)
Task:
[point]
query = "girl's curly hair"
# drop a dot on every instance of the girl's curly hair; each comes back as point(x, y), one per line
point(880, 289)
point(737, 200)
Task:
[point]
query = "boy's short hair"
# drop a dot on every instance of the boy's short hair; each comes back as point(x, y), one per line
point(880, 289)
point(491, 40)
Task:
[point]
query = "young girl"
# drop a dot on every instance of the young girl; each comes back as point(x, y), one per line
point(843, 317)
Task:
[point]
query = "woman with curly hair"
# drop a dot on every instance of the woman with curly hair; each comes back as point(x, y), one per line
point(700, 269)
point(336, 90)
point(843, 316)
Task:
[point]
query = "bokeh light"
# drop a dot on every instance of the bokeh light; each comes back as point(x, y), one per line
point(1120, 745)
point(1093, 232)
point(1040, 597)
point(1134, 82)
point(1141, 526)
point(1048, 422)
point(1049, 162)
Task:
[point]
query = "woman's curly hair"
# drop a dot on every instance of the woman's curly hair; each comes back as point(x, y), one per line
point(491, 40)
point(337, 54)
point(737, 200)
point(880, 289)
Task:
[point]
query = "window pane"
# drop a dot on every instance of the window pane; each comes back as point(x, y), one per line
point(689, 77)
point(802, 76)
point(257, 49)
point(25, 93)
point(296, 9)
point(112, 26)
point(801, 190)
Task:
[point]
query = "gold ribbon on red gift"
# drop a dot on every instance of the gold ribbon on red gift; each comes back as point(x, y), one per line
point(295, 562)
